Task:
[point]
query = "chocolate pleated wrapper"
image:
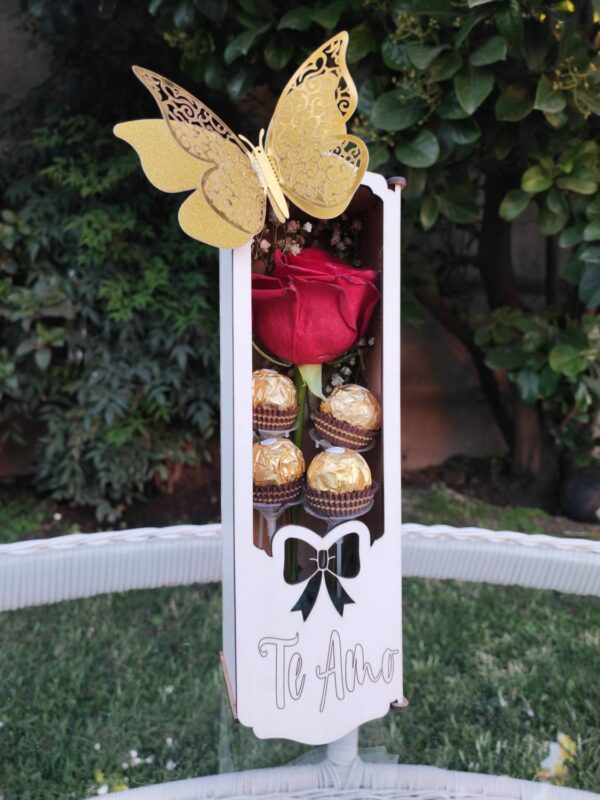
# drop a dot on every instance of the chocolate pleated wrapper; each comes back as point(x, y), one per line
point(277, 470)
point(339, 483)
point(350, 417)
point(274, 401)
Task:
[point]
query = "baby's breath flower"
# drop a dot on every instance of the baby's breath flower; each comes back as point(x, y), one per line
point(293, 226)
point(170, 765)
point(307, 227)
point(264, 246)
point(295, 249)
point(336, 379)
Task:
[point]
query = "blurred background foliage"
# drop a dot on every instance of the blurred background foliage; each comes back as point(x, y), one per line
point(488, 107)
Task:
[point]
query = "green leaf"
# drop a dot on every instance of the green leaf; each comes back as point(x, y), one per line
point(592, 209)
point(548, 382)
point(394, 55)
point(557, 202)
point(362, 42)
point(548, 99)
point(458, 204)
point(492, 50)
point(550, 222)
point(329, 16)
point(571, 236)
point(368, 93)
point(556, 121)
point(416, 180)
point(312, 375)
point(421, 151)
point(589, 101)
point(506, 358)
point(574, 270)
point(535, 180)
point(535, 44)
point(514, 104)
point(445, 66)
point(42, 358)
point(566, 360)
point(528, 383)
point(296, 19)
point(278, 52)
point(243, 42)
point(590, 254)
point(591, 232)
point(396, 111)
point(461, 132)
point(472, 88)
point(240, 83)
point(474, 3)
point(379, 154)
point(589, 287)
point(509, 22)
point(513, 204)
point(422, 56)
point(578, 183)
point(429, 212)
point(450, 108)
point(467, 25)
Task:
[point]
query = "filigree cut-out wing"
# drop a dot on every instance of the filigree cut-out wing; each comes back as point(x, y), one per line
point(229, 204)
point(318, 164)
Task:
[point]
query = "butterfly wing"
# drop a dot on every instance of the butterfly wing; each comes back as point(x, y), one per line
point(318, 164)
point(191, 148)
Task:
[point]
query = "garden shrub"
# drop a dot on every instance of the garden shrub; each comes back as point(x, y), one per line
point(109, 328)
point(488, 107)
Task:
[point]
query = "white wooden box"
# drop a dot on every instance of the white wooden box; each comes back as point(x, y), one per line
point(313, 681)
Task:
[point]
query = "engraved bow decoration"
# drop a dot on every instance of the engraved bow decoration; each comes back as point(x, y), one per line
point(341, 560)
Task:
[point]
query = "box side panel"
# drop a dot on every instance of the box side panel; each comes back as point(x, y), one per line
point(391, 437)
point(227, 457)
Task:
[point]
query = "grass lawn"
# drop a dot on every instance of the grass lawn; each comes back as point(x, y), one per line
point(492, 674)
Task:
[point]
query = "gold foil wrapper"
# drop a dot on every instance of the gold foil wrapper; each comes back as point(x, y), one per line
point(338, 470)
point(276, 462)
point(271, 389)
point(355, 405)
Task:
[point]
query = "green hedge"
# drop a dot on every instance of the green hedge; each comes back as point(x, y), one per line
point(108, 312)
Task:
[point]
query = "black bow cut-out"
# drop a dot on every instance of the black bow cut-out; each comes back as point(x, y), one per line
point(323, 565)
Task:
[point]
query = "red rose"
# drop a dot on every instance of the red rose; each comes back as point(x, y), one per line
point(313, 307)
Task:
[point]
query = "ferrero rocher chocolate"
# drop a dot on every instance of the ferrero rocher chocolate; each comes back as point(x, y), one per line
point(339, 484)
point(355, 405)
point(274, 401)
point(277, 470)
point(339, 470)
point(349, 417)
point(270, 389)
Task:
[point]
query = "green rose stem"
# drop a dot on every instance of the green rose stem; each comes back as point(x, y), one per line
point(302, 388)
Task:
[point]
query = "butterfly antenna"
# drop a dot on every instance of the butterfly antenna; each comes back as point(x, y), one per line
point(246, 142)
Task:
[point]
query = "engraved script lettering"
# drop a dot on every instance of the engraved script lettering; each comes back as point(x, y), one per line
point(347, 670)
point(287, 681)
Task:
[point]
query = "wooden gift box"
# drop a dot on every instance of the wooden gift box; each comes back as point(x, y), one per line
point(313, 680)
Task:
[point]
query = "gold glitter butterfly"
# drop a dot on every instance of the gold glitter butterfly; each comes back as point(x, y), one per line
point(306, 156)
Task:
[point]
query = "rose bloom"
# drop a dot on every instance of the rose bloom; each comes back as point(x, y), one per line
point(313, 307)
